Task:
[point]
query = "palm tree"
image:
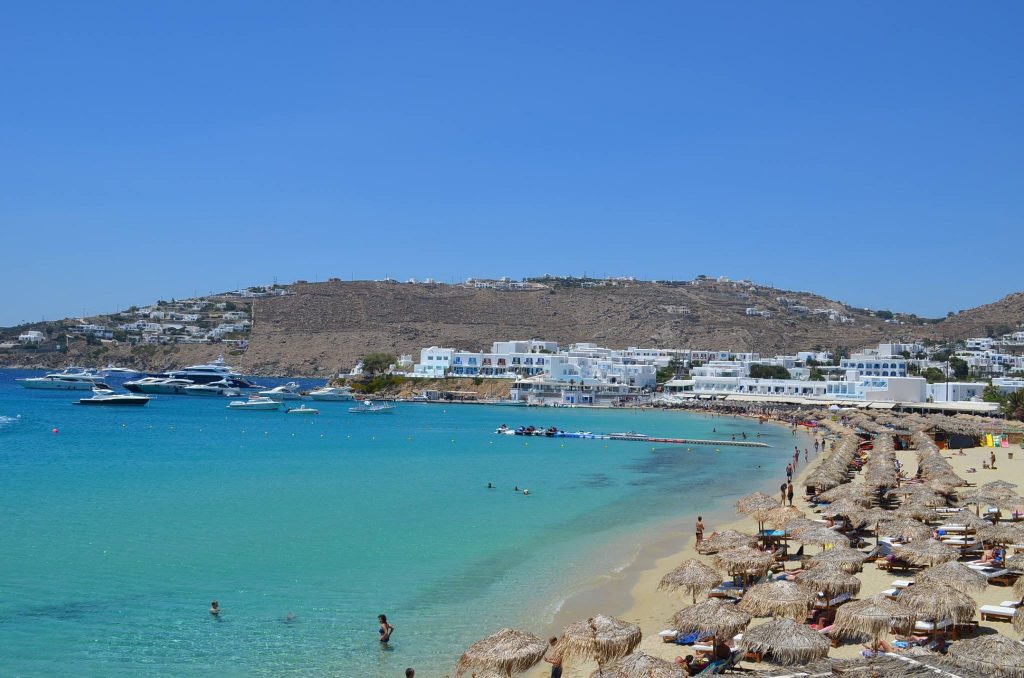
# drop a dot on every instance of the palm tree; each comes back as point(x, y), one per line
point(1013, 406)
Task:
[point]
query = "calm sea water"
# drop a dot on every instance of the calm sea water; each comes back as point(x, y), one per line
point(119, 529)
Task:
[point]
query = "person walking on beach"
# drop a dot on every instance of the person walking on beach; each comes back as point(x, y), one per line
point(782, 494)
point(806, 455)
point(789, 493)
point(385, 629)
point(700, 529)
point(554, 657)
point(993, 463)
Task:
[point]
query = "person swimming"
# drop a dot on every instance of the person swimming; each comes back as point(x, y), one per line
point(490, 486)
point(515, 489)
point(214, 608)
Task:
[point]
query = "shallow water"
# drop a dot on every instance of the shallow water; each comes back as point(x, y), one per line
point(119, 529)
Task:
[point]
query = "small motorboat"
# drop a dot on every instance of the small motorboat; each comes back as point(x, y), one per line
point(104, 396)
point(255, 403)
point(289, 391)
point(301, 409)
point(369, 407)
point(214, 388)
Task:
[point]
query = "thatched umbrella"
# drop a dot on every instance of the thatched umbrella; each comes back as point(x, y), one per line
point(744, 560)
point(926, 552)
point(601, 638)
point(506, 652)
point(855, 492)
point(953, 574)
point(999, 486)
point(830, 580)
point(640, 665)
point(778, 599)
point(1001, 533)
point(846, 559)
point(873, 617)
point(755, 502)
point(714, 617)
point(847, 509)
point(1018, 620)
point(780, 517)
point(1016, 562)
point(965, 518)
point(787, 641)
point(905, 528)
point(691, 576)
point(724, 540)
point(938, 602)
point(992, 655)
point(1018, 588)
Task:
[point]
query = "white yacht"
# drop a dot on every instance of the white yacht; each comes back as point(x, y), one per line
point(332, 393)
point(255, 403)
point(212, 371)
point(301, 409)
point(369, 407)
point(163, 385)
point(70, 379)
point(111, 368)
point(289, 391)
point(214, 388)
point(104, 396)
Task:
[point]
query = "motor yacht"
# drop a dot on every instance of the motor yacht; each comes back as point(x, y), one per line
point(111, 368)
point(70, 379)
point(104, 396)
point(289, 391)
point(255, 403)
point(214, 388)
point(162, 385)
point(332, 393)
point(209, 372)
point(369, 407)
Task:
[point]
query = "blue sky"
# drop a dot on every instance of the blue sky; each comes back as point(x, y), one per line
point(868, 151)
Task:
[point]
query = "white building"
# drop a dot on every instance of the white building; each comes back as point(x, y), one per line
point(955, 391)
point(868, 365)
point(31, 337)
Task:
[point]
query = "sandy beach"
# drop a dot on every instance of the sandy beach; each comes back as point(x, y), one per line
point(639, 600)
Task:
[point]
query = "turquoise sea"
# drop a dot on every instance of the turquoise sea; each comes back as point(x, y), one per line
point(119, 529)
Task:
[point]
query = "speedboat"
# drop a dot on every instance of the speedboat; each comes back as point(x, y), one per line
point(111, 368)
point(162, 385)
point(104, 396)
point(301, 409)
point(255, 403)
point(70, 379)
point(332, 393)
point(289, 391)
point(368, 407)
point(214, 388)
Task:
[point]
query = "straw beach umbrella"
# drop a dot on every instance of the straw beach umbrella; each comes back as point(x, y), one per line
point(601, 638)
point(993, 655)
point(720, 619)
point(744, 560)
point(928, 552)
point(755, 502)
point(965, 518)
point(640, 665)
point(787, 641)
point(778, 599)
point(846, 559)
point(855, 492)
point(725, 540)
point(780, 517)
point(506, 652)
point(905, 528)
point(1016, 562)
point(830, 580)
point(937, 602)
point(873, 617)
point(693, 577)
point(1001, 533)
point(1018, 621)
point(953, 574)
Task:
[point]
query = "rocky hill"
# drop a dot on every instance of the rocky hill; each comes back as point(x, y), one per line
point(323, 328)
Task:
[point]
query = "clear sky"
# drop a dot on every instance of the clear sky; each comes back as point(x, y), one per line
point(869, 151)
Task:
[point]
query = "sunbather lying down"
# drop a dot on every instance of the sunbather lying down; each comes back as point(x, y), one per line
point(936, 643)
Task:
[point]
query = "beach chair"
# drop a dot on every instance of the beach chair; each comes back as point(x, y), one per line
point(997, 613)
point(720, 666)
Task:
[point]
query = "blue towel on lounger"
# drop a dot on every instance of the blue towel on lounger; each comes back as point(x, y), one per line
point(688, 639)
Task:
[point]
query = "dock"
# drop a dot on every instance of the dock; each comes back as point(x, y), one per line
point(632, 437)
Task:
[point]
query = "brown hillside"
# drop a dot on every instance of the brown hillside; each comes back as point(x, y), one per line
point(996, 318)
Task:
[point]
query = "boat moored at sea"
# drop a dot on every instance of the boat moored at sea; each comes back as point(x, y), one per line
point(70, 379)
point(160, 385)
point(332, 393)
point(301, 409)
point(289, 391)
point(209, 372)
point(214, 388)
point(257, 403)
point(105, 396)
point(370, 407)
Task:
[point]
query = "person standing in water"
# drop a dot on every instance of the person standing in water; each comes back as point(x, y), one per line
point(385, 629)
point(700, 530)
point(215, 608)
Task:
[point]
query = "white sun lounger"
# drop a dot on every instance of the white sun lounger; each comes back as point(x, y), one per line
point(932, 626)
point(997, 613)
